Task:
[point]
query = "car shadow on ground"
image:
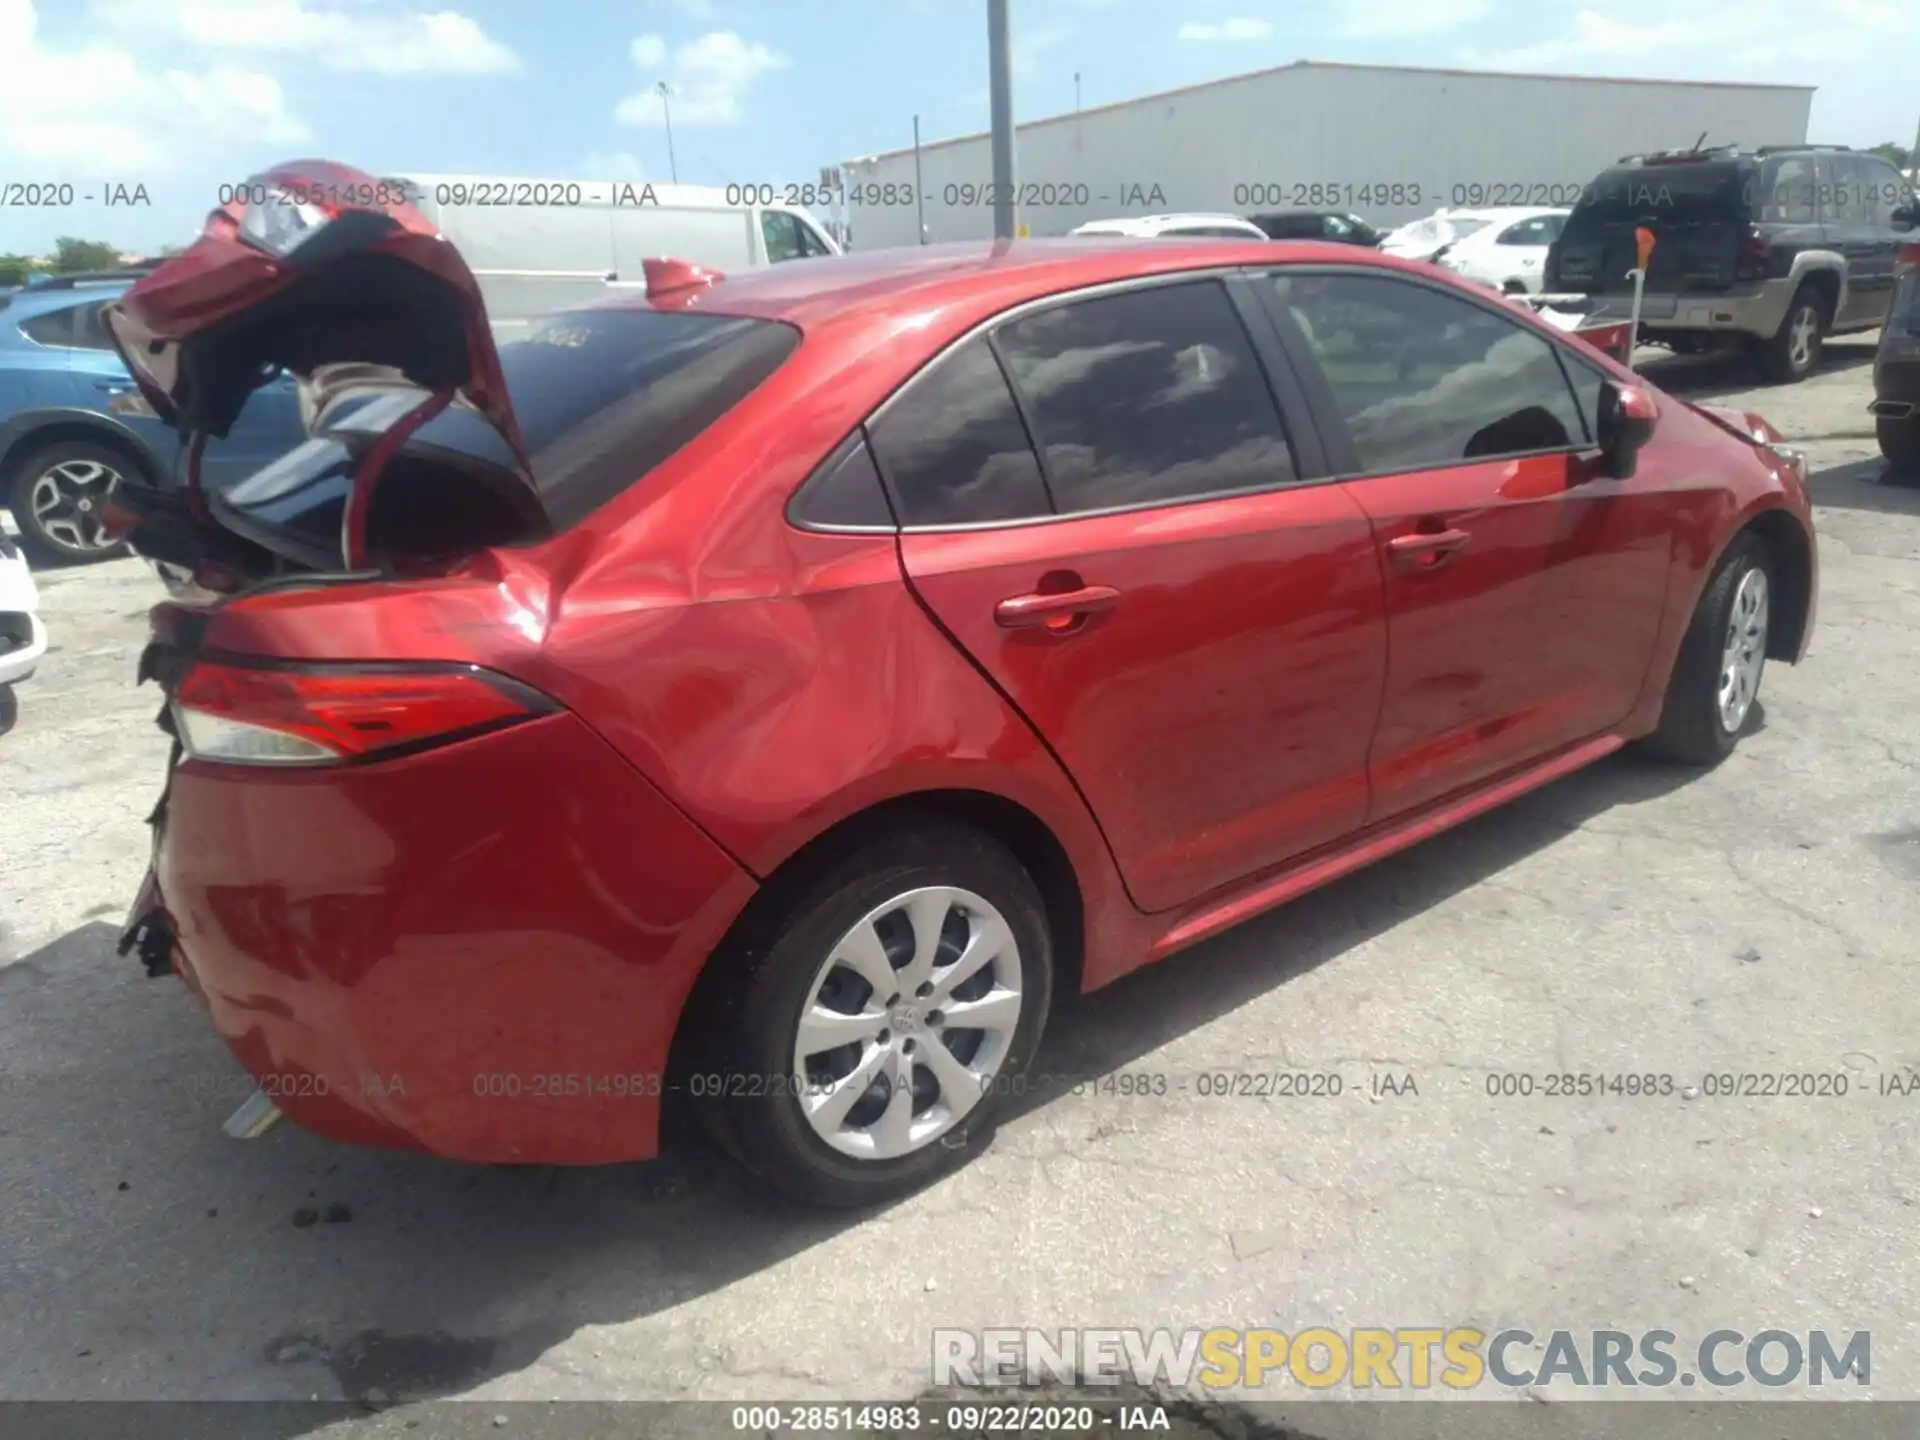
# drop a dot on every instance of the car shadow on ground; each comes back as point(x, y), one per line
point(259, 1270)
point(1866, 485)
point(1729, 372)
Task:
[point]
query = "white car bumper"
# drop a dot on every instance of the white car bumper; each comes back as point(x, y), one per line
point(23, 639)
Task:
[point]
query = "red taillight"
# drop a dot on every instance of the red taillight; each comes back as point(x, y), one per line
point(251, 715)
point(1906, 258)
point(1756, 253)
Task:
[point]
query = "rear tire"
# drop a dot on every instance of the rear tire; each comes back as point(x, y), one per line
point(1900, 443)
point(9, 709)
point(763, 1096)
point(1724, 651)
point(56, 494)
point(1792, 353)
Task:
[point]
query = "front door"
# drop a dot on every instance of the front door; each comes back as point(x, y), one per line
point(1524, 587)
point(1194, 629)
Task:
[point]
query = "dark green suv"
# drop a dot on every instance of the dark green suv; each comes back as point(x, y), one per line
point(1772, 249)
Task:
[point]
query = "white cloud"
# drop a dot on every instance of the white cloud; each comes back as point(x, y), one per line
point(1028, 47)
point(103, 107)
point(649, 52)
point(1395, 19)
point(378, 38)
point(709, 78)
point(1596, 36)
point(1239, 28)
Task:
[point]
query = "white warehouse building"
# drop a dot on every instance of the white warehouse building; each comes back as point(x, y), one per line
point(1389, 143)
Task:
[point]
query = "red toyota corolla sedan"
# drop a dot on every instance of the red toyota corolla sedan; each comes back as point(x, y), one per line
point(778, 689)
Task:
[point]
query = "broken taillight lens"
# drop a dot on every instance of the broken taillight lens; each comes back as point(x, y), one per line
point(1756, 254)
point(331, 715)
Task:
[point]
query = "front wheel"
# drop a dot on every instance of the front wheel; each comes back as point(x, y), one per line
point(1900, 443)
point(1716, 678)
point(879, 1017)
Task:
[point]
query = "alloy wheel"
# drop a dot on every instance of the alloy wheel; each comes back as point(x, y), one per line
point(67, 501)
point(1745, 652)
point(1800, 340)
point(907, 1023)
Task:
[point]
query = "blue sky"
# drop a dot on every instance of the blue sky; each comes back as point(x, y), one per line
point(180, 95)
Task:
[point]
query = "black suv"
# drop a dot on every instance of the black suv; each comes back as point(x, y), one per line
point(1774, 248)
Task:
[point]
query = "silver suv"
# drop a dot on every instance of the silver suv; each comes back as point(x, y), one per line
point(1774, 249)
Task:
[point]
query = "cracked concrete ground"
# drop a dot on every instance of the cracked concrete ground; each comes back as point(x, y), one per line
point(1758, 918)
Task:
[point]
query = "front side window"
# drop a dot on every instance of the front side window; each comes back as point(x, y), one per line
point(782, 234)
point(811, 245)
point(1527, 232)
point(1334, 228)
point(1425, 379)
point(954, 449)
point(1147, 397)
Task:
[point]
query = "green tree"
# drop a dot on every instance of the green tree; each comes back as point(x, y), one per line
point(71, 253)
point(15, 269)
point(1898, 154)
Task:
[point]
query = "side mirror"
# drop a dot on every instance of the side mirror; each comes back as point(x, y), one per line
point(1627, 414)
point(1907, 216)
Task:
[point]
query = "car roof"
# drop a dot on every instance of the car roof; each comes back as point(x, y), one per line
point(937, 284)
point(41, 299)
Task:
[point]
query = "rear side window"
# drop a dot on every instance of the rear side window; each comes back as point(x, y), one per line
point(78, 327)
point(1147, 397)
point(954, 449)
point(604, 396)
point(1791, 185)
point(1424, 379)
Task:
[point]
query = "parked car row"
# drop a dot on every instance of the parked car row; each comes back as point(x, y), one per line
point(775, 689)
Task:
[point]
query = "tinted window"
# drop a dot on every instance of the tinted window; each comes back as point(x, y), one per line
point(1334, 228)
point(845, 491)
point(1146, 397)
point(1837, 198)
point(77, 327)
point(1790, 191)
point(1587, 385)
point(953, 446)
point(1538, 231)
point(1218, 232)
point(1427, 379)
point(1866, 183)
point(604, 396)
point(1708, 191)
point(782, 234)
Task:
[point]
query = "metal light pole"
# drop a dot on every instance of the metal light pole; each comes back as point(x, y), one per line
point(1076, 92)
point(1000, 85)
point(919, 194)
point(665, 92)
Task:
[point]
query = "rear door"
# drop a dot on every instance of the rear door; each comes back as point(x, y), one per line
point(1524, 588)
point(1135, 552)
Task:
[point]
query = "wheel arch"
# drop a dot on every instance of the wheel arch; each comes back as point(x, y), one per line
point(70, 428)
point(1025, 835)
point(1790, 551)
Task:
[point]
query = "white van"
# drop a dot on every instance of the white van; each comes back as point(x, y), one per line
point(538, 246)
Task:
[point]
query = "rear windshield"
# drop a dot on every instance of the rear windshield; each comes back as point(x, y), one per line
point(603, 396)
point(1632, 194)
